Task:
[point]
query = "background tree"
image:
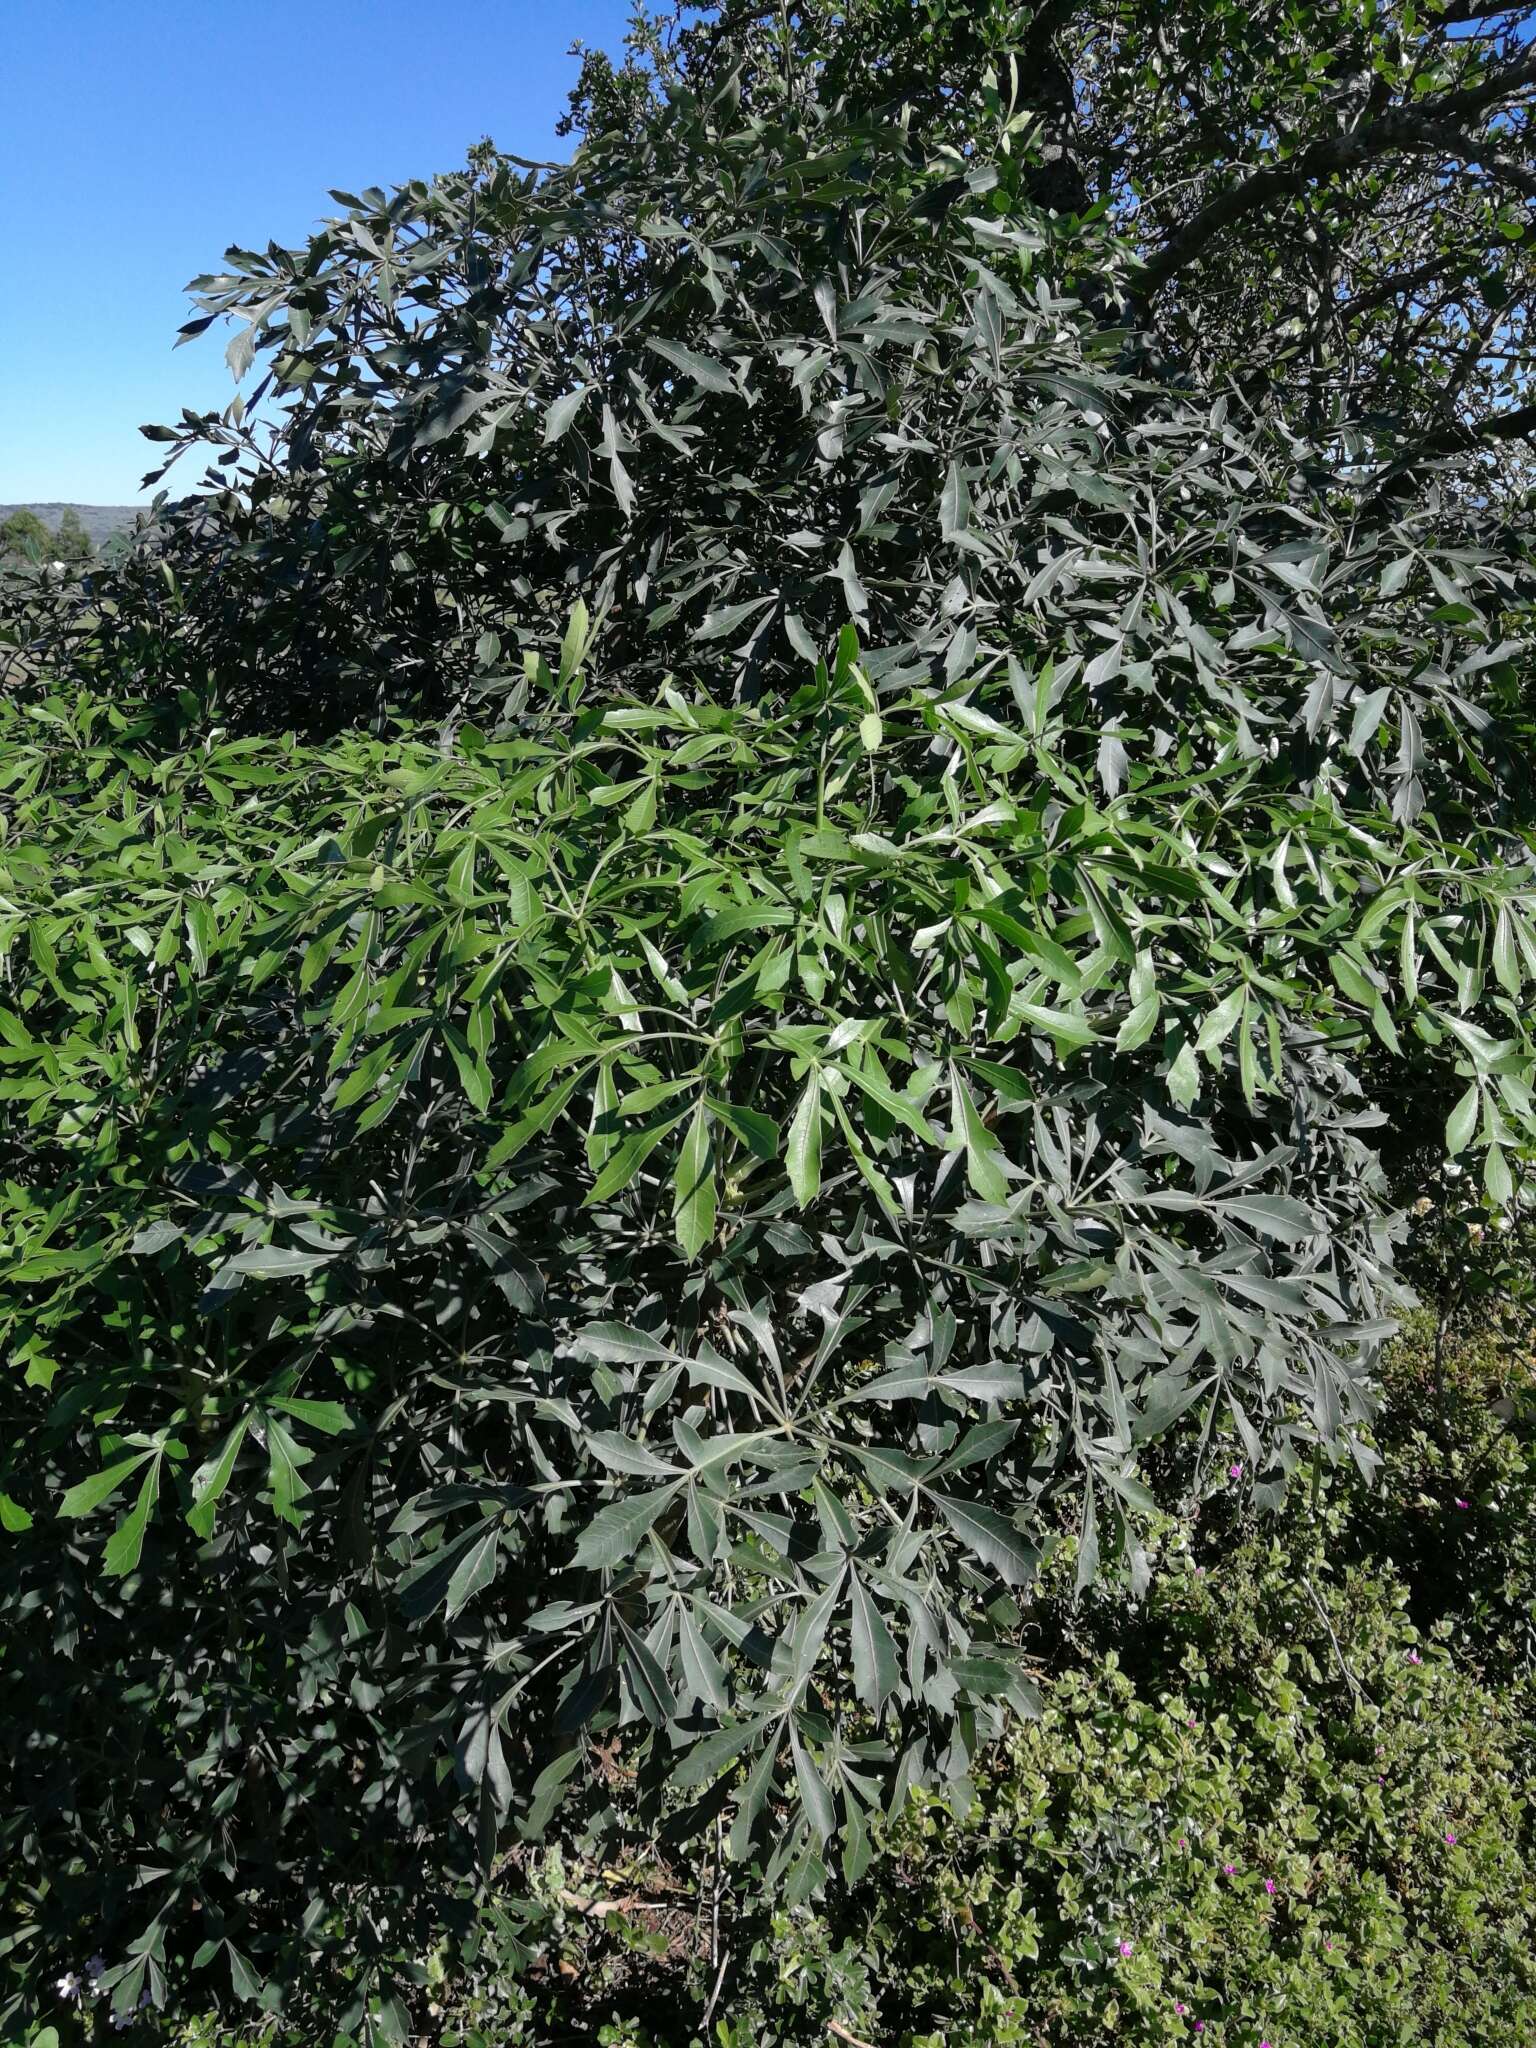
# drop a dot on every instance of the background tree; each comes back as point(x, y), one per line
point(71, 542)
point(24, 538)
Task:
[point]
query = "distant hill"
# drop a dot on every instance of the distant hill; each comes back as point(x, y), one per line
point(99, 521)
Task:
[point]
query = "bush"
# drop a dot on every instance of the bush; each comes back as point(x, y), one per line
point(1316, 1724)
point(578, 1262)
point(435, 1310)
point(1290, 1708)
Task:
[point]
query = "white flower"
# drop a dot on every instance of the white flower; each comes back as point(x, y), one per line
point(68, 1985)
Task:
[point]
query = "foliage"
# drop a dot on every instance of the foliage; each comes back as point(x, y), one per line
point(795, 1054)
point(24, 538)
point(1288, 1701)
point(996, 1916)
point(578, 1429)
point(819, 322)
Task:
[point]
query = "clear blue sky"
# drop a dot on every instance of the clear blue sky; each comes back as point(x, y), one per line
point(138, 141)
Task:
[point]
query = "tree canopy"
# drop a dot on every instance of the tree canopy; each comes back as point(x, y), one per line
point(719, 943)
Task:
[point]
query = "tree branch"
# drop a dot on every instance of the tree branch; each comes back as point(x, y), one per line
point(1429, 126)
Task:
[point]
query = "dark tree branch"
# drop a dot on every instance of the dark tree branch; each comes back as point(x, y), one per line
point(1431, 126)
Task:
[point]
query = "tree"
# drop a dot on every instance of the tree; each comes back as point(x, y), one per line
point(811, 1025)
point(464, 370)
point(24, 538)
point(72, 543)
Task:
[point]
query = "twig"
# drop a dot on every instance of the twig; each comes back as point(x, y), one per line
point(597, 1908)
point(1338, 1651)
point(709, 2010)
point(842, 2033)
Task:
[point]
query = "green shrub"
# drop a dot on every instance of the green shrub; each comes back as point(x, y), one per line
point(389, 1578)
point(576, 1275)
point(1270, 1711)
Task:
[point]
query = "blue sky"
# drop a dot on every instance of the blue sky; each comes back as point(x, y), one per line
point(137, 142)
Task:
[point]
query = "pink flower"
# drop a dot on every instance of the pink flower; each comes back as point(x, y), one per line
point(1199, 2026)
point(1414, 1657)
point(1189, 1721)
point(1327, 1941)
point(1235, 1471)
point(1183, 1843)
point(1450, 1836)
point(1180, 2007)
point(1229, 1869)
point(1125, 1948)
point(1462, 1503)
point(1269, 1886)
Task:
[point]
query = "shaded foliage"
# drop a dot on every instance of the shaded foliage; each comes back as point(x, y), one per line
point(815, 1014)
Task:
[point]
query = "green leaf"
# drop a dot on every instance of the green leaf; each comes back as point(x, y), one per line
point(704, 370)
point(876, 1672)
point(328, 1416)
point(560, 415)
point(210, 1482)
point(537, 1120)
point(284, 1458)
point(1223, 1019)
point(694, 1193)
point(814, 1795)
point(244, 1981)
point(96, 1491)
point(574, 646)
point(647, 1681)
point(982, 1153)
point(759, 1133)
point(126, 1543)
point(803, 1157)
point(988, 1536)
point(474, 1074)
point(279, 1261)
point(618, 1342)
point(476, 1569)
point(1139, 1025)
point(629, 1155)
point(616, 1532)
point(894, 1105)
point(1462, 1121)
point(1274, 1216)
point(1064, 1026)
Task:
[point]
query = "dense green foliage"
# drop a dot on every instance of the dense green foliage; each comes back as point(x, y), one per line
point(699, 980)
point(820, 323)
point(1112, 1817)
point(24, 538)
